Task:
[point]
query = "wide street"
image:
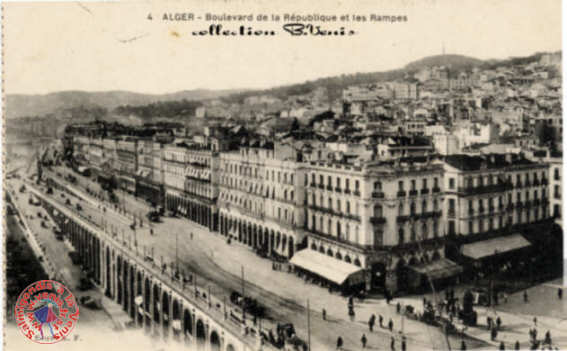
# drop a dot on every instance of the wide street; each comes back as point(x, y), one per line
point(218, 266)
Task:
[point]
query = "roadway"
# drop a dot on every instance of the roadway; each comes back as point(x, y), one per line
point(217, 266)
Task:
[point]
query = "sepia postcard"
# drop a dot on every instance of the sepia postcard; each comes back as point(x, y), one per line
point(245, 175)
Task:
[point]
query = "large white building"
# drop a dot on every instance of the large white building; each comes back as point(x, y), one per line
point(261, 197)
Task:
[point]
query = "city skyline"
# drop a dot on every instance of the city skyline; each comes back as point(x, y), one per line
point(162, 57)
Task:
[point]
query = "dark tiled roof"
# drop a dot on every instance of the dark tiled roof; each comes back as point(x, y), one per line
point(489, 161)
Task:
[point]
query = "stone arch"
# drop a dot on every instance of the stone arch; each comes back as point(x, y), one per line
point(321, 249)
point(157, 303)
point(176, 316)
point(313, 246)
point(127, 287)
point(339, 256)
point(230, 348)
point(200, 332)
point(165, 313)
point(357, 262)
point(215, 341)
point(330, 252)
point(291, 248)
point(147, 304)
point(347, 259)
point(108, 268)
point(187, 325)
point(132, 297)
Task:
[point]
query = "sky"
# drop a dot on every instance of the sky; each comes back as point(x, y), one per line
point(87, 46)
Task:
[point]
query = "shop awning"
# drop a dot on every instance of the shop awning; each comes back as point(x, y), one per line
point(438, 269)
point(325, 266)
point(494, 246)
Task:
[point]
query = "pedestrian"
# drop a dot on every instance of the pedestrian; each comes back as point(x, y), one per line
point(547, 338)
point(535, 321)
point(324, 314)
point(371, 322)
point(339, 343)
point(498, 322)
point(488, 322)
point(463, 345)
point(560, 293)
point(363, 340)
point(517, 346)
point(403, 344)
point(493, 334)
point(381, 320)
point(191, 235)
point(391, 325)
point(525, 296)
point(502, 347)
point(398, 307)
point(392, 344)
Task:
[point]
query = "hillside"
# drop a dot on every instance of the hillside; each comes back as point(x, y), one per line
point(19, 105)
point(457, 62)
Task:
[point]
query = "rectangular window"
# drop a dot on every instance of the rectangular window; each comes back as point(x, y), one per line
point(401, 185)
point(413, 184)
point(424, 184)
point(451, 183)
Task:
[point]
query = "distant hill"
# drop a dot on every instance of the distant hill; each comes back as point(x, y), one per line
point(20, 105)
point(147, 105)
point(457, 62)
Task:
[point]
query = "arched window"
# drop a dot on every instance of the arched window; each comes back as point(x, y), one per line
point(348, 207)
point(424, 206)
point(321, 225)
point(401, 209)
point(424, 231)
point(412, 208)
point(330, 227)
point(285, 194)
point(378, 186)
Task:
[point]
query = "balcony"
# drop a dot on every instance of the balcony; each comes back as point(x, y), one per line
point(402, 219)
point(322, 186)
point(436, 189)
point(401, 193)
point(536, 182)
point(494, 188)
point(350, 216)
point(451, 213)
point(557, 177)
point(490, 209)
point(377, 220)
point(313, 185)
point(356, 193)
point(413, 193)
point(338, 189)
point(481, 209)
point(544, 181)
point(424, 191)
point(347, 191)
point(431, 214)
point(329, 187)
point(378, 195)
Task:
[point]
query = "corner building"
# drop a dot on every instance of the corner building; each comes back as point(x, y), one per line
point(382, 217)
